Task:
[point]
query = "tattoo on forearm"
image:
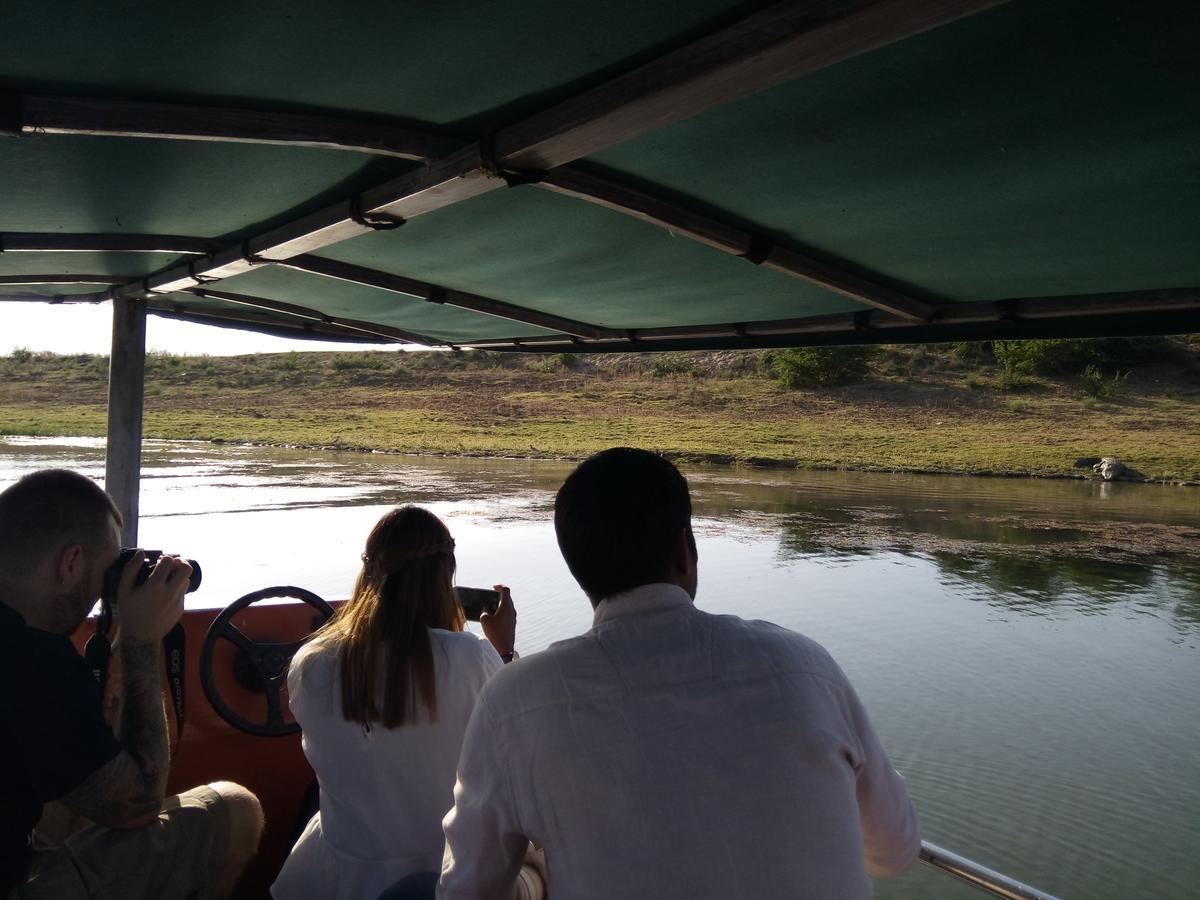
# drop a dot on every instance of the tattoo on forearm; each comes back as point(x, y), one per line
point(128, 790)
point(143, 729)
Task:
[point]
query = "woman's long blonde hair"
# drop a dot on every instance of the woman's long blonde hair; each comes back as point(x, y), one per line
point(406, 587)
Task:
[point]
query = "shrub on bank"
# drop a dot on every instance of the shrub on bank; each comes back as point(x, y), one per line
point(822, 366)
point(973, 352)
point(555, 362)
point(1072, 356)
point(286, 362)
point(672, 365)
point(1014, 382)
point(347, 361)
point(1100, 386)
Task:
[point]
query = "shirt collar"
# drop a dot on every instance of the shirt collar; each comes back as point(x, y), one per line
point(642, 599)
point(10, 616)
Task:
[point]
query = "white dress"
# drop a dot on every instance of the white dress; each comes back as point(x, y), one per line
point(384, 792)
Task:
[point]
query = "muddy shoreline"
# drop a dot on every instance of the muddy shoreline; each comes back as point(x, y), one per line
point(715, 459)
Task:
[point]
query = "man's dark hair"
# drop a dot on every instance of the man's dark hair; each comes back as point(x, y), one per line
point(618, 516)
point(47, 510)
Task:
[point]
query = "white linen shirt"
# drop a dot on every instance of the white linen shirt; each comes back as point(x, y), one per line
point(383, 791)
point(670, 753)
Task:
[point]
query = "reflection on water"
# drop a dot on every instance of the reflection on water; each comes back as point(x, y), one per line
point(1029, 650)
point(1036, 559)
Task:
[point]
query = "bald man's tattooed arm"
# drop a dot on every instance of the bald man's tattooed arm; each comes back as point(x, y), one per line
point(127, 792)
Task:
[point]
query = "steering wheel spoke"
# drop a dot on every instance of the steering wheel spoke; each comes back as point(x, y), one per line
point(274, 708)
point(234, 635)
point(269, 660)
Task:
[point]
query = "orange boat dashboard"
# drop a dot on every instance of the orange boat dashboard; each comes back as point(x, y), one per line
point(211, 749)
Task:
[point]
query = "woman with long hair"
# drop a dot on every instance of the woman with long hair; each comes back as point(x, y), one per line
point(383, 694)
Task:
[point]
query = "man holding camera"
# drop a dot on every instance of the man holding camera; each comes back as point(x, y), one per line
point(667, 752)
point(59, 534)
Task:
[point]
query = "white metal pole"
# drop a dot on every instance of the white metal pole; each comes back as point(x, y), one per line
point(987, 880)
point(126, 390)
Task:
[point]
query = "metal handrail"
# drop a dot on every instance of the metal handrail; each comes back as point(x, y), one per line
point(989, 880)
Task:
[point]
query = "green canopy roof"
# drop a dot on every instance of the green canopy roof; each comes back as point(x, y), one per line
point(610, 176)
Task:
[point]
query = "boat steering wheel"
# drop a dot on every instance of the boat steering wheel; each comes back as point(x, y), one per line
point(262, 663)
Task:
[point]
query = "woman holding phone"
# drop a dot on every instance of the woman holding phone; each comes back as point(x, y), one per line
point(383, 694)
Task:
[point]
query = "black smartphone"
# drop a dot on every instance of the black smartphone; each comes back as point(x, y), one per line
point(476, 601)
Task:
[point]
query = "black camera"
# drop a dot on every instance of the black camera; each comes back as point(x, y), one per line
point(112, 578)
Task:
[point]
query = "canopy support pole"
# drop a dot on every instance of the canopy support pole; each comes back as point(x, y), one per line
point(126, 390)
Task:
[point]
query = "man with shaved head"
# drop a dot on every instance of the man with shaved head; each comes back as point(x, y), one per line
point(59, 534)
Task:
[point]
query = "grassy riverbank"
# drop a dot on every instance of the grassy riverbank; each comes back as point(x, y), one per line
point(918, 409)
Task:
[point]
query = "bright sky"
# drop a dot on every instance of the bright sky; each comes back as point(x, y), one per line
point(87, 328)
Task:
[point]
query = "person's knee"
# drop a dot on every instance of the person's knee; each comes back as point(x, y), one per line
point(245, 817)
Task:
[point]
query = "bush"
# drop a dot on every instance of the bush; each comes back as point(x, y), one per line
point(671, 366)
point(286, 362)
point(22, 354)
point(1098, 385)
point(1014, 382)
point(346, 361)
point(1113, 353)
point(485, 359)
point(1071, 356)
point(1041, 357)
point(975, 352)
point(556, 362)
point(160, 360)
point(822, 366)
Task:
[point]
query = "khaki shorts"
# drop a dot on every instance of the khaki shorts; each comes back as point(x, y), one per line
point(181, 855)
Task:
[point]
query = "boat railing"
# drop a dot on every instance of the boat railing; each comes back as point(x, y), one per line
point(987, 880)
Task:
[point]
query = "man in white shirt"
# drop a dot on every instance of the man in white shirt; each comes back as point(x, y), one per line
point(669, 753)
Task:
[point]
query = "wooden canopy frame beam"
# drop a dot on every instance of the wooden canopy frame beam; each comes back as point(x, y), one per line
point(840, 328)
point(39, 114)
point(777, 45)
point(265, 324)
point(313, 319)
point(603, 191)
point(1011, 317)
point(772, 47)
point(1015, 312)
point(567, 181)
point(38, 242)
point(371, 329)
point(432, 293)
point(64, 279)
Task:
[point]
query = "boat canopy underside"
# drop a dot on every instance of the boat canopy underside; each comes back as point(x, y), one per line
point(616, 176)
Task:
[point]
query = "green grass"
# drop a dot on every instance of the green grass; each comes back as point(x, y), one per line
point(942, 414)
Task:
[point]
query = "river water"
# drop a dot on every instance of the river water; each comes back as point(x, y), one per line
point(1028, 650)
